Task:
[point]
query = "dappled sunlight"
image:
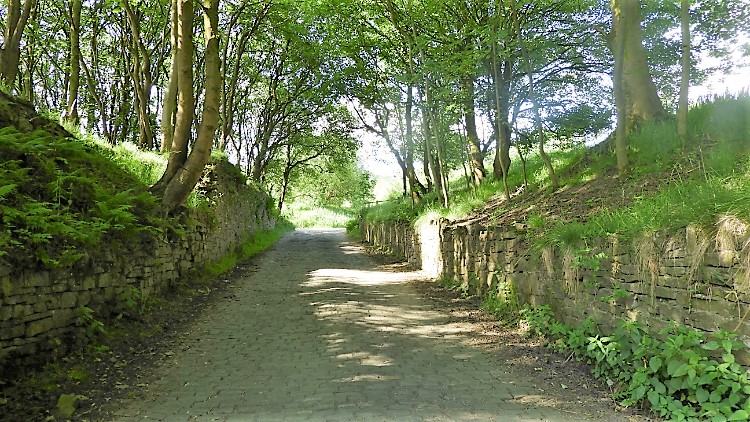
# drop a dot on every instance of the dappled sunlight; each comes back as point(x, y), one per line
point(350, 248)
point(360, 277)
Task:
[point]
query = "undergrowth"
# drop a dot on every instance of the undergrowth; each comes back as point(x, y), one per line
point(710, 175)
point(680, 373)
point(304, 215)
point(255, 244)
point(60, 196)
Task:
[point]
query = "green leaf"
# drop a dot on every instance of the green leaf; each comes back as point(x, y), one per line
point(672, 366)
point(728, 357)
point(658, 386)
point(681, 370)
point(4, 190)
point(655, 363)
point(740, 415)
point(702, 395)
point(711, 345)
point(654, 398)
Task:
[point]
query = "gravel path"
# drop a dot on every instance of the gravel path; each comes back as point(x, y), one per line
point(319, 332)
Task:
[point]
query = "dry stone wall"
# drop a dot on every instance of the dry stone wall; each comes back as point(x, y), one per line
point(38, 306)
point(689, 278)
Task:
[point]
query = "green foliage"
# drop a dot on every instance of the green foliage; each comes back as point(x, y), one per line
point(352, 228)
point(89, 325)
point(683, 374)
point(305, 215)
point(264, 239)
point(714, 185)
point(334, 182)
point(225, 264)
point(60, 196)
point(502, 303)
point(258, 242)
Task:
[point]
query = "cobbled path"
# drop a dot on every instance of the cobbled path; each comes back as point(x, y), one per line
point(318, 333)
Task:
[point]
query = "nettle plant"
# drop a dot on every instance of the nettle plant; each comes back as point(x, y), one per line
point(682, 373)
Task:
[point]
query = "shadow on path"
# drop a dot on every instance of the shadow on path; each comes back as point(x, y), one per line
point(318, 332)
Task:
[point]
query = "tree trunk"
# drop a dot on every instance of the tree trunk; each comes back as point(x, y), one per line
point(501, 164)
point(17, 16)
point(641, 96)
point(621, 104)
point(435, 156)
point(71, 113)
point(185, 96)
point(682, 107)
point(142, 78)
point(472, 138)
point(415, 187)
point(190, 172)
point(534, 100)
point(169, 103)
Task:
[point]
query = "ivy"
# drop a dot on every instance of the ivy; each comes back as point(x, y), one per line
point(681, 373)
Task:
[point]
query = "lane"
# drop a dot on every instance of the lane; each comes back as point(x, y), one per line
point(319, 333)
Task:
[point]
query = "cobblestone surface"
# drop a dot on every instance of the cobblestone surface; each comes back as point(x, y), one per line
point(319, 333)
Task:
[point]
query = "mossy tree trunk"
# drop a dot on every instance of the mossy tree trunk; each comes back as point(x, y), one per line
point(169, 103)
point(478, 172)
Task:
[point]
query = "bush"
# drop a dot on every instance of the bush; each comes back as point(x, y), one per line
point(683, 374)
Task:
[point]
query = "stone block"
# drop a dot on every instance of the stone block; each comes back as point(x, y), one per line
point(710, 321)
point(34, 328)
point(36, 278)
point(105, 280)
point(6, 287)
point(68, 300)
point(674, 271)
point(21, 312)
point(6, 312)
point(63, 318)
point(61, 286)
point(12, 332)
point(88, 283)
point(40, 306)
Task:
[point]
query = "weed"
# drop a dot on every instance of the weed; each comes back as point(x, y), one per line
point(683, 374)
point(78, 375)
point(502, 303)
point(90, 326)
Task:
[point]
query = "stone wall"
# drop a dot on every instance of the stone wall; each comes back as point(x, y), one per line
point(691, 278)
point(38, 306)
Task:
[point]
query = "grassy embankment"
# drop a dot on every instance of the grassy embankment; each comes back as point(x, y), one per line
point(708, 178)
point(61, 198)
point(679, 373)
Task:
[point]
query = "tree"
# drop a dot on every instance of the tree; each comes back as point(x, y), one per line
point(636, 96)
point(183, 170)
point(71, 113)
point(17, 17)
point(333, 144)
point(682, 108)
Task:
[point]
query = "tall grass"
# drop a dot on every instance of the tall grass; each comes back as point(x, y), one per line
point(712, 180)
point(257, 243)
